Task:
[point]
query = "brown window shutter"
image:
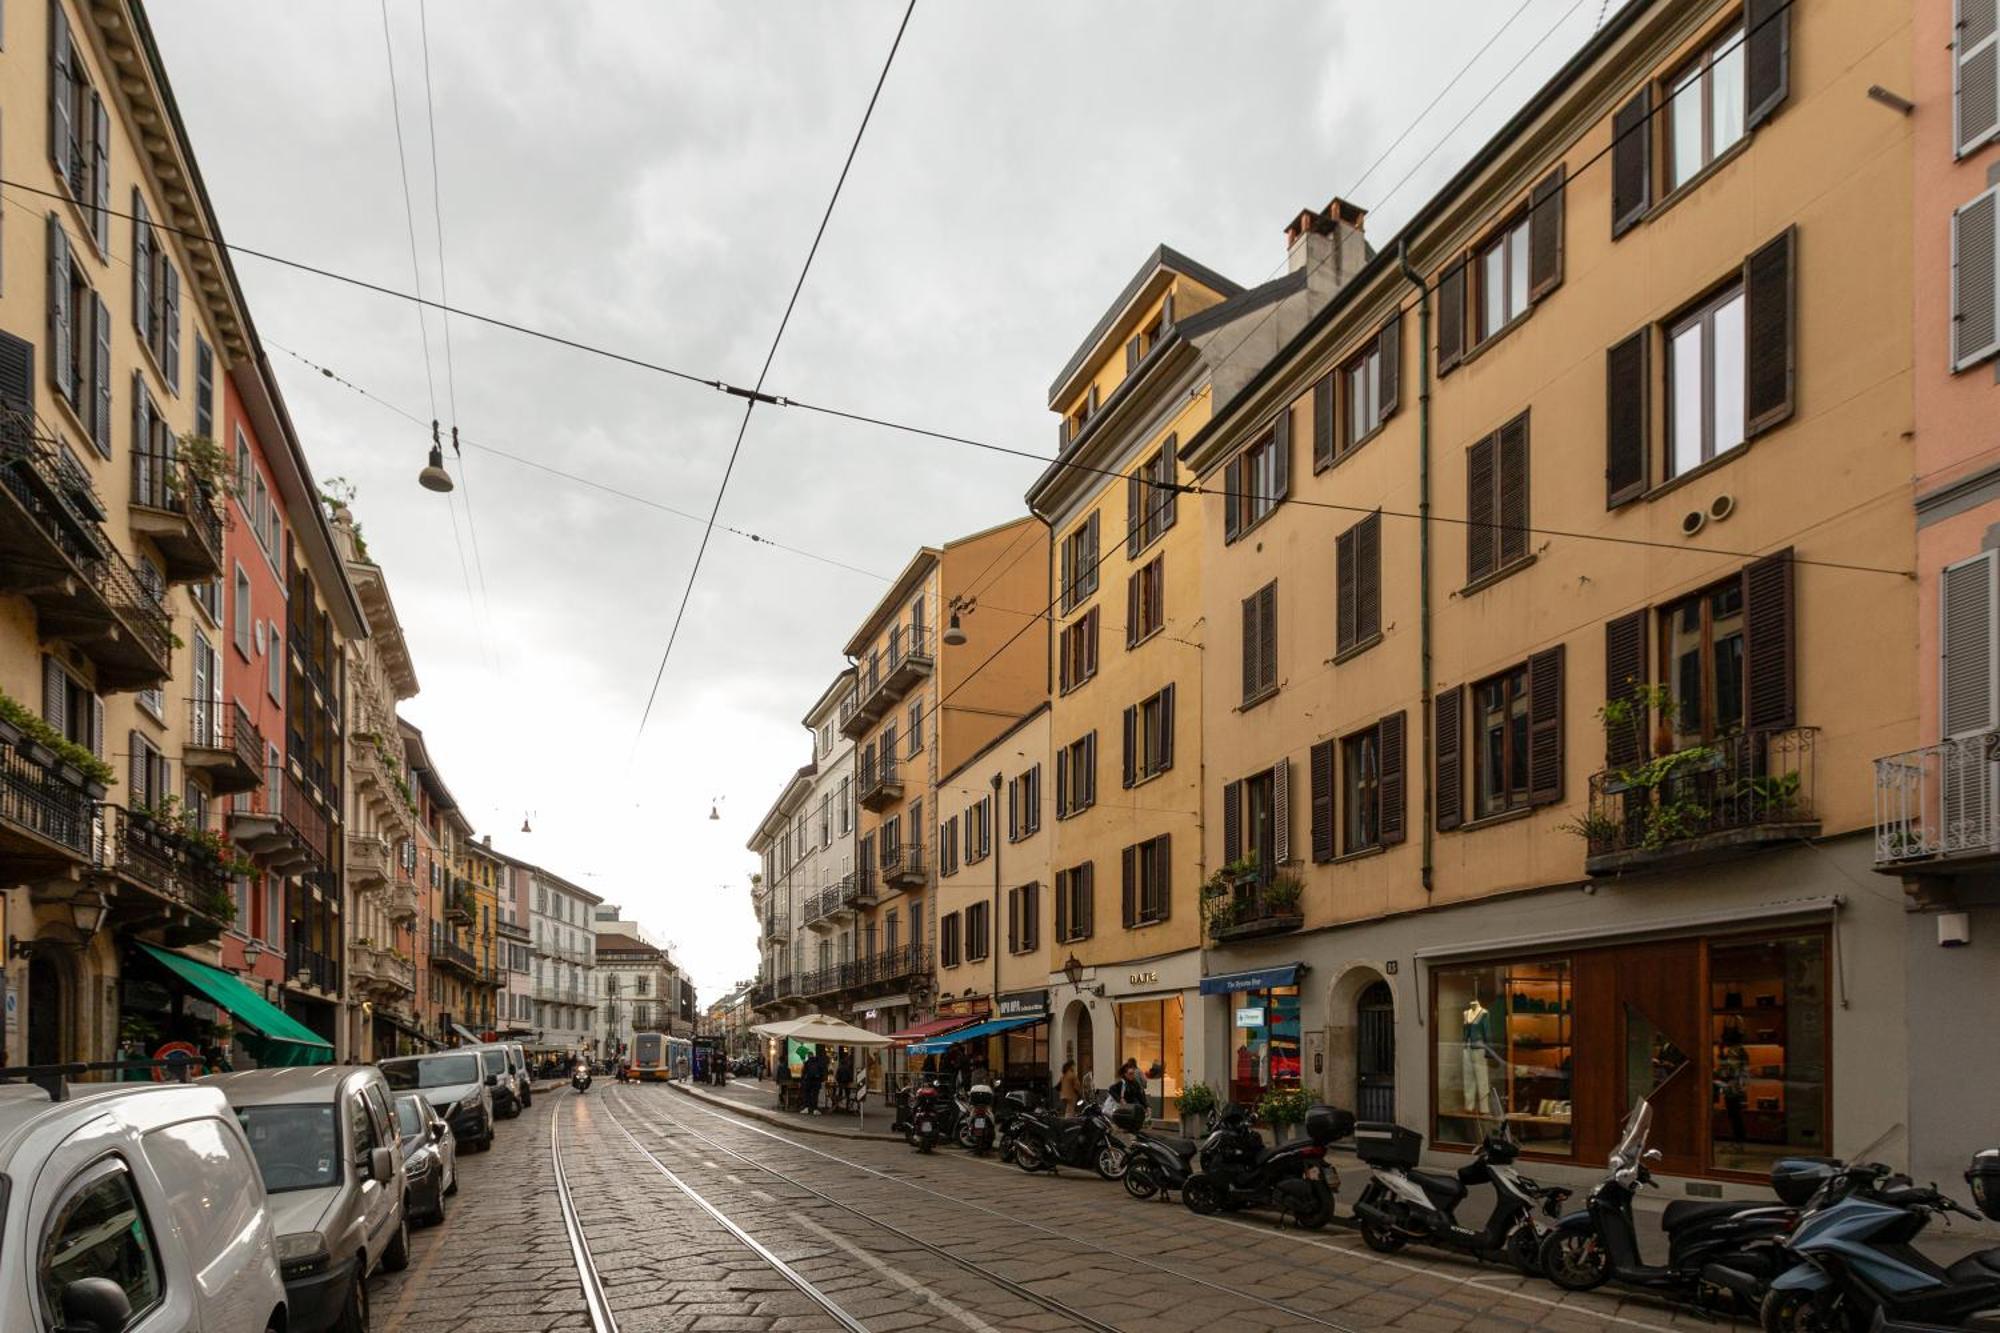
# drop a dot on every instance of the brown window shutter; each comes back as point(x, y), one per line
point(1090, 644)
point(1512, 543)
point(1480, 516)
point(1545, 727)
point(1163, 897)
point(1013, 921)
point(1769, 623)
point(1232, 822)
point(1166, 728)
point(1134, 349)
point(1390, 798)
point(1321, 764)
point(1447, 733)
point(1168, 500)
point(1368, 577)
point(1128, 897)
point(55, 696)
point(1627, 405)
point(1088, 781)
point(1065, 885)
point(1281, 449)
point(1134, 510)
point(1132, 607)
point(1281, 813)
point(1062, 782)
point(1345, 599)
point(1451, 317)
point(1389, 348)
point(1322, 410)
point(1767, 51)
point(1770, 287)
point(17, 374)
point(1232, 507)
point(1252, 639)
point(1131, 747)
point(1631, 162)
point(1088, 905)
point(1267, 618)
point(60, 312)
point(1031, 912)
point(1625, 677)
point(1545, 235)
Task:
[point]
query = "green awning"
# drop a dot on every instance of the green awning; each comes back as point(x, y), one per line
point(279, 1038)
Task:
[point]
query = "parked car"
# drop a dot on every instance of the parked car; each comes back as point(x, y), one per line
point(118, 1198)
point(515, 1090)
point(506, 1092)
point(430, 1156)
point(326, 1145)
point(518, 1055)
point(457, 1084)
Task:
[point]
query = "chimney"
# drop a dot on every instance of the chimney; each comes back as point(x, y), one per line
point(1328, 244)
point(488, 840)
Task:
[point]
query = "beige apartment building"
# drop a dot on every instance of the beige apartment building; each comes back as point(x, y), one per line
point(1558, 577)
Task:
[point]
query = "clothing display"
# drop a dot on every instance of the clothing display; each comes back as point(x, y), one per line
point(1475, 1079)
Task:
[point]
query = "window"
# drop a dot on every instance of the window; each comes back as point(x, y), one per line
point(1079, 564)
point(1024, 804)
point(80, 341)
point(79, 133)
point(892, 839)
point(1147, 881)
point(1076, 890)
point(976, 932)
point(1976, 90)
point(1024, 930)
point(208, 596)
point(1151, 1032)
point(1260, 643)
point(979, 830)
point(1151, 499)
point(1370, 806)
point(1500, 741)
point(99, 1230)
point(916, 729)
point(1975, 288)
point(1256, 819)
point(1146, 601)
point(1078, 651)
point(1357, 558)
point(1705, 382)
point(152, 774)
point(204, 388)
point(1256, 480)
point(1076, 776)
point(846, 805)
point(1496, 505)
point(1501, 270)
point(1702, 646)
point(947, 940)
point(1149, 737)
point(1705, 109)
point(70, 708)
point(948, 846)
point(1504, 1036)
point(156, 295)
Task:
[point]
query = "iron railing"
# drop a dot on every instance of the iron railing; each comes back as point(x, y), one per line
point(877, 773)
point(33, 798)
point(309, 967)
point(1937, 801)
point(1745, 783)
point(302, 815)
point(159, 857)
point(903, 863)
point(214, 724)
point(163, 481)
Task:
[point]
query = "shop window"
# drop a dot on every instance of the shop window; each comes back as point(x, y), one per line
point(1264, 1044)
point(1652, 1058)
point(1503, 1054)
point(1768, 1019)
point(1150, 1032)
point(1705, 115)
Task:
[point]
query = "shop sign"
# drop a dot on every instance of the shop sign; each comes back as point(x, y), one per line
point(1250, 1018)
point(1147, 978)
point(871, 1015)
point(1020, 1004)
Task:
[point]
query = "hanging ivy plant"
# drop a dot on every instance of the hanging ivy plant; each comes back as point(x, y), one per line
point(66, 750)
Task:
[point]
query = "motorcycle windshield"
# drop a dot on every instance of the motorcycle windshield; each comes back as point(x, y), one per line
point(1631, 1143)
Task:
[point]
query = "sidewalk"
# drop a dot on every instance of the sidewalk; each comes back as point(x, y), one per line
point(758, 1099)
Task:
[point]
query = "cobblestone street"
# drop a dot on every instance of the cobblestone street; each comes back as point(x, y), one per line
point(871, 1235)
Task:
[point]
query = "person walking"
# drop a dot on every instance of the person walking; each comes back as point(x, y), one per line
point(843, 1075)
point(1068, 1090)
point(814, 1074)
point(1131, 1084)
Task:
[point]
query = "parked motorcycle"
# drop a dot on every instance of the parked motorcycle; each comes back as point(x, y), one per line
point(1403, 1205)
point(976, 1128)
point(1238, 1171)
point(1007, 1122)
point(1736, 1242)
point(927, 1118)
point(1858, 1270)
point(1157, 1164)
point(1044, 1142)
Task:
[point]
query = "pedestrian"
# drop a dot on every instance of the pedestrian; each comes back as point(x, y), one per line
point(930, 1062)
point(811, 1076)
point(844, 1075)
point(1131, 1084)
point(871, 1072)
point(1068, 1091)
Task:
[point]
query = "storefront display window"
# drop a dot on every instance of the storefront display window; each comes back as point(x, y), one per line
point(1150, 1031)
point(1264, 1043)
point(1768, 1022)
point(1503, 1053)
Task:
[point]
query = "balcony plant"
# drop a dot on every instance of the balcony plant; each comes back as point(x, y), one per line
point(1196, 1103)
point(1281, 896)
point(48, 747)
point(206, 462)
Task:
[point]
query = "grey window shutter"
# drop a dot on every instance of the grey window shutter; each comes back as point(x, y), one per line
point(1770, 287)
point(1390, 798)
point(1062, 782)
point(1321, 778)
point(1281, 813)
point(1132, 607)
point(17, 376)
point(1166, 750)
point(1769, 623)
point(1232, 822)
point(1513, 488)
point(1975, 280)
point(1252, 673)
point(62, 95)
point(1969, 692)
point(1232, 493)
point(1134, 349)
point(1134, 514)
point(1480, 516)
point(1627, 405)
point(1631, 162)
point(1323, 427)
point(1545, 726)
point(1131, 747)
point(1451, 317)
point(1389, 351)
point(101, 376)
point(1447, 735)
point(1975, 73)
point(61, 372)
point(172, 344)
point(1767, 51)
point(1625, 678)
point(142, 267)
point(100, 172)
point(146, 483)
point(1545, 235)
point(1128, 894)
point(1281, 446)
point(1346, 598)
point(55, 696)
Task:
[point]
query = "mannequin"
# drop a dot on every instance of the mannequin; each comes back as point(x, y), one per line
point(1477, 1037)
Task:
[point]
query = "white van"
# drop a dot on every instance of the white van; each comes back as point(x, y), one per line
point(136, 1207)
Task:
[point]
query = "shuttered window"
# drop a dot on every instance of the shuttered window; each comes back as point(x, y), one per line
point(1705, 108)
point(977, 932)
point(1146, 601)
point(1076, 776)
point(1770, 288)
point(1451, 317)
point(1627, 420)
point(1545, 234)
point(1260, 642)
point(79, 130)
point(17, 386)
point(1079, 651)
point(1626, 741)
point(1076, 908)
point(948, 940)
point(1146, 881)
point(1024, 918)
point(1975, 277)
point(1517, 736)
point(1496, 487)
point(1152, 498)
point(204, 388)
point(1357, 559)
point(1448, 740)
point(1369, 805)
point(1975, 73)
point(1258, 479)
point(1149, 737)
point(1079, 563)
point(1969, 647)
point(1727, 656)
point(1257, 819)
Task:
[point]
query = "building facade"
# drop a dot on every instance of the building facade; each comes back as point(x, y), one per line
point(561, 921)
point(639, 985)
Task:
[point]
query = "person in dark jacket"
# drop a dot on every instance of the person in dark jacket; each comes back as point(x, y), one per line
point(812, 1076)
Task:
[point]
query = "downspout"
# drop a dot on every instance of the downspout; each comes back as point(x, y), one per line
point(993, 930)
point(1423, 541)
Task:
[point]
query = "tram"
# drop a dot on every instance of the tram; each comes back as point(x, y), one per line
point(657, 1057)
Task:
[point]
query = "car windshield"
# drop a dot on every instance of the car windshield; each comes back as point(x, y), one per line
point(409, 1117)
point(297, 1147)
point(432, 1071)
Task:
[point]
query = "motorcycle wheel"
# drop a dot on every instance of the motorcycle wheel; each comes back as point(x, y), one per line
point(1316, 1217)
point(1028, 1154)
point(1111, 1162)
point(1524, 1250)
point(1142, 1180)
point(1575, 1261)
point(926, 1142)
point(1201, 1196)
point(1802, 1312)
point(964, 1134)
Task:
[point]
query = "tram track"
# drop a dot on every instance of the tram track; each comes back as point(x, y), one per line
point(595, 1305)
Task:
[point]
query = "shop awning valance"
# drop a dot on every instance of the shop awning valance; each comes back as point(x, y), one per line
point(935, 1027)
point(279, 1038)
point(978, 1031)
point(1262, 979)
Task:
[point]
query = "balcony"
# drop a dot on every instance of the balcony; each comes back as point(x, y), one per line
point(777, 925)
point(370, 862)
point(177, 510)
point(224, 747)
point(453, 957)
point(458, 904)
point(160, 876)
point(565, 995)
point(46, 821)
point(401, 901)
point(54, 553)
point(379, 974)
point(909, 656)
point(1703, 803)
point(891, 969)
point(879, 782)
point(1252, 907)
point(1935, 811)
point(859, 888)
point(287, 840)
point(903, 867)
point(310, 969)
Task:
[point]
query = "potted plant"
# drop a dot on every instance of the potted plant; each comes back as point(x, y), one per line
point(1281, 895)
point(1196, 1103)
point(1281, 1109)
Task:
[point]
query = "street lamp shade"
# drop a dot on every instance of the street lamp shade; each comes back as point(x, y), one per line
point(1074, 971)
point(87, 912)
point(954, 633)
point(434, 477)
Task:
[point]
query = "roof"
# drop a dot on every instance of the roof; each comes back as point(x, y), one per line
point(1163, 257)
point(269, 1087)
point(892, 601)
point(419, 756)
point(776, 818)
point(26, 1108)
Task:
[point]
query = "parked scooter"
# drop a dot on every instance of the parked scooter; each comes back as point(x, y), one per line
point(1857, 1268)
point(927, 1119)
point(1007, 1121)
point(1238, 1171)
point(1043, 1142)
point(1157, 1164)
point(976, 1128)
point(1403, 1205)
point(1737, 1242)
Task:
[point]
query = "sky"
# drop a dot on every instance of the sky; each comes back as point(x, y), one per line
point(647, 178)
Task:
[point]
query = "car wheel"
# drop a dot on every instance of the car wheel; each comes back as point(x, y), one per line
point(354, 1315)
point(437, 1210)
point(397, 1257)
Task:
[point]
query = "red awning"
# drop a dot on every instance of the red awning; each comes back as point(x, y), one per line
point(936, 1027)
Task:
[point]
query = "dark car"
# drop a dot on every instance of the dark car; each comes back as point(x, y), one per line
point(430, 1157)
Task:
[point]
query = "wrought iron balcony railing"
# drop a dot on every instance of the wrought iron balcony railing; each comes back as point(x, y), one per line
point(1702, 802)
point(224, 746)
point(45, 821)
point(178, 511)
point(1935, 807)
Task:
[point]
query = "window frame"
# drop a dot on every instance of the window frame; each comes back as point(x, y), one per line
point(1514, 696)
point(87, 1177)
point(1261, 452)
point(1152, 864)
point(1148, 592)
point(978, 932)
point(1361, 792)
point(1702, 312)
point(1265, 607)
point(1701, 66)
point(1078, 652)
point(1080, 577)
point(1664, 616)
point(1501, 240)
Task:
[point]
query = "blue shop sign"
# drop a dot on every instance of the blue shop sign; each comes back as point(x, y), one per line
point(1264, 978)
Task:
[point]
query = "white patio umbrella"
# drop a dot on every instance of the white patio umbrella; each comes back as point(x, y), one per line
point(823, 1029)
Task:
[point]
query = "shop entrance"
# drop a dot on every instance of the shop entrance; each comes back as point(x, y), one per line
point(45, 1011)
point(1375, 1054)
point(1081, 1042)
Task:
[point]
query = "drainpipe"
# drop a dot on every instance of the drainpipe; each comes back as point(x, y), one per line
point(1423, 539)
point(993, 929)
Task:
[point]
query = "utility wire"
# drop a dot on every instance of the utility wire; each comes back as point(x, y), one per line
point(758, 392)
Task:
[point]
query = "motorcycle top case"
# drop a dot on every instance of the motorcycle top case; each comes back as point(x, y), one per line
point(1795, 1179)
point(1324, 1124)
point(1984, 1177)
point(1130, 1117)
point(1379, 1143)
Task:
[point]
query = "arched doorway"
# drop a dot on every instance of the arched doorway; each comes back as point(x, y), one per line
point(45, 1011)
point(1375, 1053)
point(1079, 1039)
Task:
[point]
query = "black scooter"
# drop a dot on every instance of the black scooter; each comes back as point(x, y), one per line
point(580, 1080)
point(1403, 1205)
point(1043, 1142)
point(1157, 1164)
point(1239, 1171)
point(929, 1118)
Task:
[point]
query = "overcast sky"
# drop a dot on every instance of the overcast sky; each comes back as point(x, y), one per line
point(648, 178)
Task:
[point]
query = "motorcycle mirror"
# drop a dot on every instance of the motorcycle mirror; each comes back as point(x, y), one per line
point(1651, 1155)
